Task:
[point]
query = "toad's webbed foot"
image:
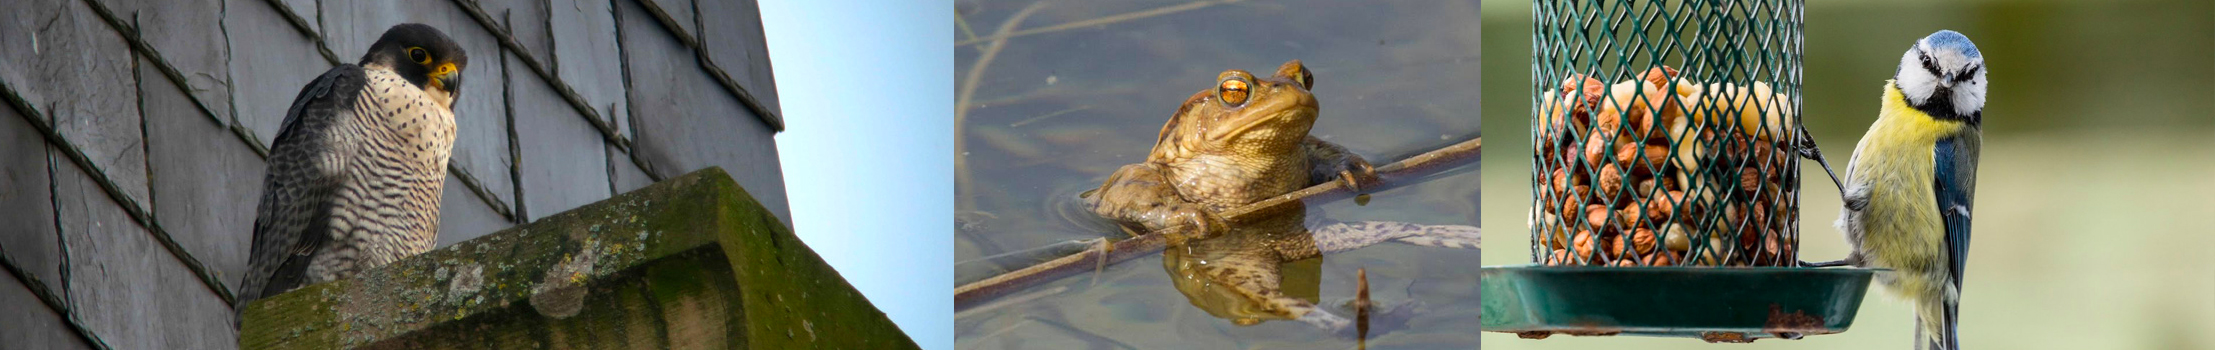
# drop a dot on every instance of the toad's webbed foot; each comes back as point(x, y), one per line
point(1330, 162)
point(1346, 236)
point(1198, 224)
point(1359, 176)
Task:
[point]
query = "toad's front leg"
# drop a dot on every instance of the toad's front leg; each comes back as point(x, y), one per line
point(1330, 162)
point(1140, 195)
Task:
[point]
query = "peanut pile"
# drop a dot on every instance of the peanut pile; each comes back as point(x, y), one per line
point(1649, 173)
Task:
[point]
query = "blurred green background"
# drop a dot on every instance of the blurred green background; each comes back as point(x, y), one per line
point(2094, 204)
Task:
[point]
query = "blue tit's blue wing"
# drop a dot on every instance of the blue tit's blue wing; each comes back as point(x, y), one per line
point(1956, 184)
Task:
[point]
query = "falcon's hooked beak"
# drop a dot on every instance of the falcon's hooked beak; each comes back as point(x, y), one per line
point(447, 77)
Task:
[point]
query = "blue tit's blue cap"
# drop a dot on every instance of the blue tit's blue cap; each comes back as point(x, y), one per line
point(1948, 39)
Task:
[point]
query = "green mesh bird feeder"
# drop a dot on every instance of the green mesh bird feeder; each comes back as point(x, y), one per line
point(1664, 177)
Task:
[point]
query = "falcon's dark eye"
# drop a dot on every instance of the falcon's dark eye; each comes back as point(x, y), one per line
point(419, 55)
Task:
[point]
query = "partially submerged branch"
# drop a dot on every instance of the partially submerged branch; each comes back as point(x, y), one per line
point(1401, 173)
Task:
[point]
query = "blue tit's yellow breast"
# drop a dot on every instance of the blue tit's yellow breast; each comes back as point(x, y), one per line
point(1895, 162)
point(1901, 137)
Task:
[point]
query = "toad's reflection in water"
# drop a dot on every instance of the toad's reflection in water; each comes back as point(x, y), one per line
point(1240, 142)
point(1237, 276)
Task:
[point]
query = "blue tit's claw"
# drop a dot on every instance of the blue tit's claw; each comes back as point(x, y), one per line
point(1809, 151)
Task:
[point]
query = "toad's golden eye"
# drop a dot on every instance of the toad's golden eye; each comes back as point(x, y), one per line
point(1232, 91)
point(1305, 78)
point(419, 55)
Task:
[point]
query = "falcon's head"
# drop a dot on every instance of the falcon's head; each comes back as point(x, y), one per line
point(422, 55)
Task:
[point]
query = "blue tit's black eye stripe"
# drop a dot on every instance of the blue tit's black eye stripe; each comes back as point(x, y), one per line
point(1968, 74)
point(1930, 67)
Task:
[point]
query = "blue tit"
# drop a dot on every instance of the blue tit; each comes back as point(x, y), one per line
point(1911, 181)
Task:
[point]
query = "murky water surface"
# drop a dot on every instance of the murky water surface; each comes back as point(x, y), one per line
point(1082, 88)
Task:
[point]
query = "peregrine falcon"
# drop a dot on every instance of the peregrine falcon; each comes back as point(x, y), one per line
point(356, 171)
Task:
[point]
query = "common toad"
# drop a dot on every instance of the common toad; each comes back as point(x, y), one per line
point(1242, 141)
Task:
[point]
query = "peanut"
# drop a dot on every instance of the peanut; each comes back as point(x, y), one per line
point(1596, 151)
point(1611, 182)
point(1675, 238)
point(1659, 259)
point(1630, 217)
point(1596, 215)
point(1643, 241)
point(1585, 247)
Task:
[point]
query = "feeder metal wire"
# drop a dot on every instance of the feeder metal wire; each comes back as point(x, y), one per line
point(1713, 86)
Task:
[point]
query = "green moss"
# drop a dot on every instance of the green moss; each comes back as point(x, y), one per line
point(692, 261)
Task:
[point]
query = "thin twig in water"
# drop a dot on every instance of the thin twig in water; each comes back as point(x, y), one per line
point(963, 184)
point(1005, 330)
point(1069, 245)
point(1048, 115)
point(1361, 308)
point(1101, 265)
point(1018, 299)
point(966, 33)
point(1390, 176)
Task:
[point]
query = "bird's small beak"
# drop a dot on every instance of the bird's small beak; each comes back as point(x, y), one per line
point(448, 77)
point(453, 85)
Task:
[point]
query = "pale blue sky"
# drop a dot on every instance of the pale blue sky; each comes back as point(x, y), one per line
point(868, 95)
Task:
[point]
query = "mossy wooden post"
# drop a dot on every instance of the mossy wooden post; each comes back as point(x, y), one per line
point(688, 263)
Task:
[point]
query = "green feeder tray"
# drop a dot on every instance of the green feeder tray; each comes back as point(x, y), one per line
point(1719, 305)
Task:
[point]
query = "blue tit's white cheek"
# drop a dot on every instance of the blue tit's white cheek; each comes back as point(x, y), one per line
point(1913, 80)
point(1969, 97)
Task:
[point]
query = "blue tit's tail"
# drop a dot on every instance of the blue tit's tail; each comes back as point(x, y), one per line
point(1950, 338)
point(1946, 339)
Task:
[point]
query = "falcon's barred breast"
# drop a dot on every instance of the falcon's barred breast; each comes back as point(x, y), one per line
point(356, 172)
